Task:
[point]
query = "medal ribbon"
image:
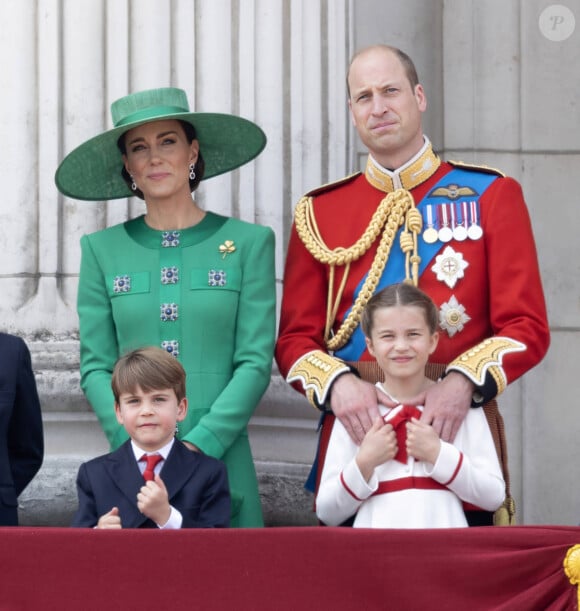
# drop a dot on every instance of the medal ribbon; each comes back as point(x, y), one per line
point(395, 270)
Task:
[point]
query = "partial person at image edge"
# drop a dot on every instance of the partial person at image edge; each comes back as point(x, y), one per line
point(21, 431)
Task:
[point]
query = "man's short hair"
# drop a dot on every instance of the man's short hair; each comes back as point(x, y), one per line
point(407, 62)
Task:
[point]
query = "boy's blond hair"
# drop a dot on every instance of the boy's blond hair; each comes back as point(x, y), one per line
point(149, 369)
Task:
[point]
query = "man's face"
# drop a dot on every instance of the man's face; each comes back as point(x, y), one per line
point(384, 107)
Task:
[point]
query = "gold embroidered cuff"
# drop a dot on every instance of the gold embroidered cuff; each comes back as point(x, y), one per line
point(486, 358)
point(316, 371)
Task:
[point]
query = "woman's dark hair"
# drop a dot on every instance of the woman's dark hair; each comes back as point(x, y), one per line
point(191, 135)
point(402, 294)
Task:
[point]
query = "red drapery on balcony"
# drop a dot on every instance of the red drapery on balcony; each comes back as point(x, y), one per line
point(519, 568)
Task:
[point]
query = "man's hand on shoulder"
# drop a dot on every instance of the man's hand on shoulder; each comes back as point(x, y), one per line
point(355, 403)
point(446, 404)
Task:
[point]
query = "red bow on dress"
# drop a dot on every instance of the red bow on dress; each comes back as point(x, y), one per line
point(398, 422)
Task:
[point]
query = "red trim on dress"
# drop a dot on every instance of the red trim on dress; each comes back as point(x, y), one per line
point(354, 496)
point(456, 469)
point(408, 483)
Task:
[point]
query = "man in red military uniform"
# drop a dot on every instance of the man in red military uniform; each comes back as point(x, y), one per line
point(461, 233)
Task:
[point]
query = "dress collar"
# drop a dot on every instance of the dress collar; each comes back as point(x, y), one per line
point(416, 171)
point(144, 235)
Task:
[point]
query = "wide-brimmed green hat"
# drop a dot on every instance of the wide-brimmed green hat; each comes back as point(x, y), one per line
point(92, 171)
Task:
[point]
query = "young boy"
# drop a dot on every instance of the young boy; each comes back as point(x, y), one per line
point(177, 488)
point(403, 475)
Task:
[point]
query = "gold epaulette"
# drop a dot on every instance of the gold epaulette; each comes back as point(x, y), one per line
point(329, 186)
point(486, 358)
point(316, 371)
point(478, 167)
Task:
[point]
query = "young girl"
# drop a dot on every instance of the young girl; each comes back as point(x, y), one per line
point(402, 475)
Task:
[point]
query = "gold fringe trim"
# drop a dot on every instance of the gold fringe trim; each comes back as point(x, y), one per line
point(506, 514)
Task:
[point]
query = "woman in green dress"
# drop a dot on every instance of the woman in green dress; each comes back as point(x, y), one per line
point(198, 284)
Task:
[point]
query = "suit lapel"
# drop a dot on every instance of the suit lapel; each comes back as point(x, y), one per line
point(124, 472)
point(180, 466)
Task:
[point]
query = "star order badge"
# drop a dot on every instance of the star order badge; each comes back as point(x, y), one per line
point(449, 266)
point(452, 316)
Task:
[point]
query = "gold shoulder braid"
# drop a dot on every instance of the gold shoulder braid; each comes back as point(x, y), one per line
point(396, 208)
point(475, 166)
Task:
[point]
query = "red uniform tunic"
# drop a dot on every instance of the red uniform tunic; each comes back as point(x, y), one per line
point(500, 290)
point(494, 326)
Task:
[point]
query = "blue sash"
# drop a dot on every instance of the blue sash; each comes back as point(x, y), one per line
point(394, 271)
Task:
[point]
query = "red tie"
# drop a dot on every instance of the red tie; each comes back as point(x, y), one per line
point(152, 460)
point(398, 422)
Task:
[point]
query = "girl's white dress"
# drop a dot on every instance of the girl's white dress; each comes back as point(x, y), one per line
point(416, 494)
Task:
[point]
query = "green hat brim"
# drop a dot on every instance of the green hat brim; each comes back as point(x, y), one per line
point(92, 171)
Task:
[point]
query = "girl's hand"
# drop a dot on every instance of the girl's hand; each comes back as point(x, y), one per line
point(422, 443)
point(378, 446)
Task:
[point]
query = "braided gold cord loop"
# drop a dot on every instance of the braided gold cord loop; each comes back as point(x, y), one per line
point(307, 229)
point(396, 208)
point(413, 227)
point(414, 220)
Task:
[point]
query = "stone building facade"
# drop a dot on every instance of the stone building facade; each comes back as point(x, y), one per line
point(502, 87)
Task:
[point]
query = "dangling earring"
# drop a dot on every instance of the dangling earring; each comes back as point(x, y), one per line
point(192, 171)
point(176, 429)
point(133, 183)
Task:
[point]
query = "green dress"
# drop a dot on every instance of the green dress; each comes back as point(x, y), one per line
point(207, 295)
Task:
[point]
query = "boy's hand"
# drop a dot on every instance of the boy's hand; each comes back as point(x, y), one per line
point(378, 446)
point(110, 520)
point(422, 443)
point(153, 501)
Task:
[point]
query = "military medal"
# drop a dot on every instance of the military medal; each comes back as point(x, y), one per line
point(445, 233)
point(449, 266)
point(430, 235)
point(474, 232)
point(459, 220)
point(452, 316)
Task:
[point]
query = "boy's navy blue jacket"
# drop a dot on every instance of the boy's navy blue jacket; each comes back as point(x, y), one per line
point(197, 486)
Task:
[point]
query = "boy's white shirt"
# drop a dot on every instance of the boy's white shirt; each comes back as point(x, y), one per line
point(175, 518)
